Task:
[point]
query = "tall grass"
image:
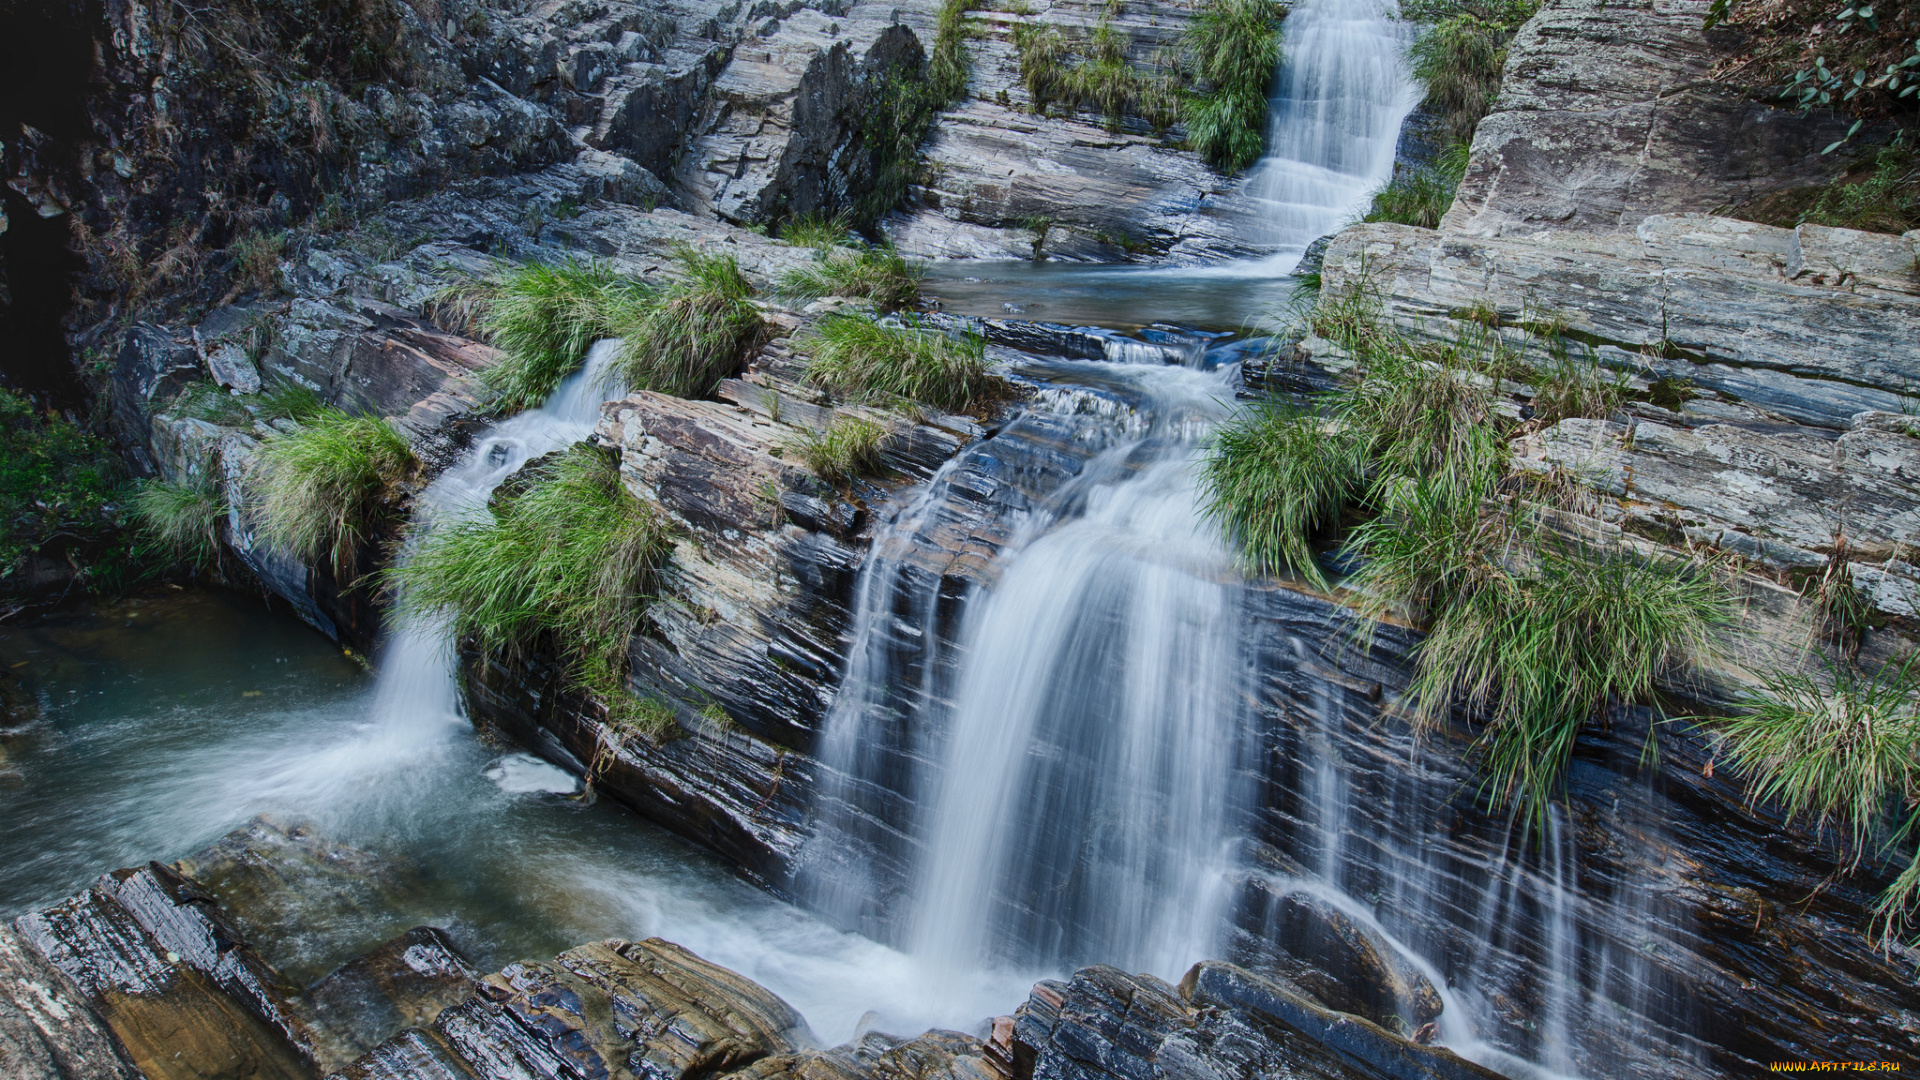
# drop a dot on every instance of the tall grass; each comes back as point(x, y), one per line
point(544, 316)
point(1234, 46)
point(1421, 196)
point(1462, 54)
point(567, 553)
point(848, 448)
point(949, 67)
point(1533, 633)
point(182, 519)
point(322, 486)
point(1569, 387)
point(1276, 476)
point(877, 274)
point(816, 230)
point(694, 332)
point(863, 359)
point(1840, 758)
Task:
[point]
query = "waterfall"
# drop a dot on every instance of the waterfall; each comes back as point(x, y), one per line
point(416, 695)
point(1342, 90)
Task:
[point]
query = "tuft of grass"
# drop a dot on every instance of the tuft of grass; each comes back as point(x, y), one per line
point(1839, 758)
point(544, 316)
point(256, 260)
point(568, 553)
point(694, 332)
point(1043, 64)
point(863, 359)
point(1421, 196)
point(289, 401)
point(950, 68)
point(182, 519)
point(849, 448)
point(1235, 47)
point(1569, 387)
point(1275, 476)
point(650, 718)
point(816, 230)
point(1542, 652)
point(322, 485)
point(878, 274)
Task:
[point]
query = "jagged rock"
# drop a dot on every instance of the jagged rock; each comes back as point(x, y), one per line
point(1606, 116)
point(1690, 298)
point(152, 365)
point(1222, 1021)
point(47, 1031)
point(650, 1008)
point(405, 983)
point(935, 1055)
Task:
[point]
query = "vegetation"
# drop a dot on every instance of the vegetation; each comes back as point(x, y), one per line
point(544, 316)
point(256, 259)
point(1840, 758)
point(565, 552)
point(1536, 633)
point(60, 487)
point(1862, 59)
point(949, 66)
point(878, 274)
point(847, 449)
point(1234, 46)
point(323, 485)
point(1570, 387)
point(1879, 194)
point(863, 359)
point(694, 332)
point(182, 519)
point(815, 231)
point(1421, 196)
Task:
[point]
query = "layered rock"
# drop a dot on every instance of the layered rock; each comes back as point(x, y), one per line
point(1606, 115)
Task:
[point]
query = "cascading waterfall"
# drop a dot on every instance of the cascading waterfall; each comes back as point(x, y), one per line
point(1341, 93)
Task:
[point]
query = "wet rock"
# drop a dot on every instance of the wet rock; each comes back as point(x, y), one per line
point(1606, 115)
point(648, 1008)
point(47, 1030)
point(1332, 958)
point(935, 1055)
point(167, 972)
point(153, 364)
point(1106, 1024)
point(404, 983)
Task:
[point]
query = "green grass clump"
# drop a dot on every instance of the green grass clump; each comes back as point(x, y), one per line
point(1421, 196)
point(816, 231)
point(878, 274)
point(182, 519)
point(57, 483)
point(567, 551)
point(694, 332)
point(1840, 758)
point(544, 316)
point(863, 359)
point(1461, 56)
point(1278, 476)
point(1235, 46)
point(849, 448)
point(323, 485)
point(1534, 634)
point(950, 67)
point(1570, 387)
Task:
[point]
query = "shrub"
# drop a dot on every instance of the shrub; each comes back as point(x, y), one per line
point(183, 519)
point(1839, 757)
point(544, 316)
point(1887, 199)
point(564, 551)
point(56, 482)
point(694, 332)
point(864, 359)
point(1235, 47)
point(876, 274)
point(1275, 476)
point(848, 448)
point(322, 485)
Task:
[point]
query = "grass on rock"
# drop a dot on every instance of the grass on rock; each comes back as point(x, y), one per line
point(849, 448)
point(1234, 46)
point(323, 485)
point(694, 332)
point(182, 519)
point(866, 360)
point(876, 274)
point(565, 550)
point(544, 316)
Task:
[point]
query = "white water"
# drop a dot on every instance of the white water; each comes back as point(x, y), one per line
point(1342, 91)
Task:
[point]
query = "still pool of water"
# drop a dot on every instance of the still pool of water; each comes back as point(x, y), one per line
point(168, 721)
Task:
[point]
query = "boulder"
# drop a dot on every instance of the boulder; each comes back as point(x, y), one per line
point(47, 1029)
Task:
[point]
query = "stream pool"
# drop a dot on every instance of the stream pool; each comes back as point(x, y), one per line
point(168, 720)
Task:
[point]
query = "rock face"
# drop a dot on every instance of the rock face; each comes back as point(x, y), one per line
point(1606, 116)
point(162, 967)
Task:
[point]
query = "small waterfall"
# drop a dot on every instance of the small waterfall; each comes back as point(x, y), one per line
point(1341, 93)
point(416, 697)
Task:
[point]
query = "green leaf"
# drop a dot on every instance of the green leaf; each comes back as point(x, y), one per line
point(1831, 147)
